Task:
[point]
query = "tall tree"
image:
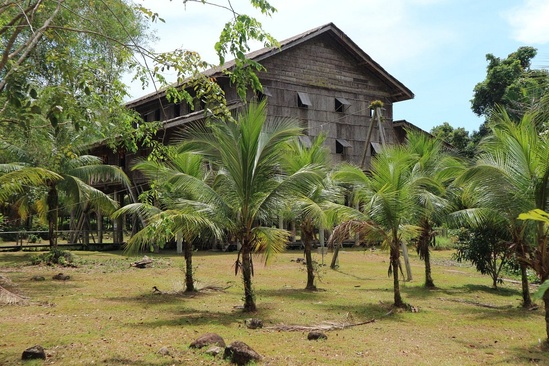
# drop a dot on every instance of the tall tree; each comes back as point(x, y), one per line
point(250, 187)
point(458, 137)
point(511, 84)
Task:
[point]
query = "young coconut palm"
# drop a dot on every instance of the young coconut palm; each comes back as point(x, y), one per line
point(387, 196)
point(433, 172)
point(178, 212)
point(250, 186)
point(318, 208)
point(512, 171)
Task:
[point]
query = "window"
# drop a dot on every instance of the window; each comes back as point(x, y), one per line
point(340, 104)
point(303, 100)
point(177, 110)
point(375, 148)
point(305, 141)
point(341, 145)
point(262, 95)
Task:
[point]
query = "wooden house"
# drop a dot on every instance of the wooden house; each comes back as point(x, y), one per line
point(320, 77)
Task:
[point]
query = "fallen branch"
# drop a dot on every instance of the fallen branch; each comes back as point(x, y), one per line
point(477, 303)
point(143, 263)
point(327, 326)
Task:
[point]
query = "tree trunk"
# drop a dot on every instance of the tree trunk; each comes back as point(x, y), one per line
point(428, 278)
point(526, 299)
point(546, 303)
point(395, 263)
point(306, 237)
point(334, 257)
point(179, 242)
point(249, 298)
point(53, 214)
point(406, 261)
point(189, 281)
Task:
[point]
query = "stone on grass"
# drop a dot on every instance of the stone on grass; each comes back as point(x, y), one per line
point(61, 277)
point(316, 335)
point(164, 351)
point(214, 351)
point(240, 353)
point(38, 278)
point(34, 353)
point(253, 323)
point(208, 339)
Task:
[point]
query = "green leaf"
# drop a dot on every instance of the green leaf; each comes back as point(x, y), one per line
point(538, 295)
point(537, 215)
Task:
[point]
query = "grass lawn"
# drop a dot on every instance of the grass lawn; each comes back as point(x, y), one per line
point(107, 313)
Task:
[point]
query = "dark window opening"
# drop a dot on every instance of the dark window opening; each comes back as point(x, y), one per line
point(305, 141)
point(340, 104)
point(341, 145)
point(157, 115)
point(177, 110)
point(262, 95)
point(303, 100)
point(375, 148)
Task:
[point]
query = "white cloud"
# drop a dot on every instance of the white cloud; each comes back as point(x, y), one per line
point(530, 21)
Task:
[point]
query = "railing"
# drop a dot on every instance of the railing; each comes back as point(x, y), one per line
point(36, 240)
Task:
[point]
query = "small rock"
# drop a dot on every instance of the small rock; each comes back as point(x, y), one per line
point(208, 339)
point(164, 351)
point(253, 323)
point(315, 335)
point(214, 351)
point(240, 353)
point(61, 277)
point(34, 353)
point(38, 278)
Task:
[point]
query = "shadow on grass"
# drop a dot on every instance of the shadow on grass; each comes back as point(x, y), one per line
point(536, 354)
point(294, 293)
point(193, 317)
point(468, 288)
point(354, 276)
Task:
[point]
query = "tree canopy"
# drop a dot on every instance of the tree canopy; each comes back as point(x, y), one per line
point(510, 83)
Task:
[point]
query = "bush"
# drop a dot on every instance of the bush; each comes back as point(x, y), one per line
point(55, 257)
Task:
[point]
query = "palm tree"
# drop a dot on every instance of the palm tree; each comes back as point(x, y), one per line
point(387, 196)
point(67, 172)
point(249, 186)
point(512, 173)
point(433, 172)
point(319, 207)
point(178, 212)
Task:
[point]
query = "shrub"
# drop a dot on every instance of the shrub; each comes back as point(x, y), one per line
point(55, 256)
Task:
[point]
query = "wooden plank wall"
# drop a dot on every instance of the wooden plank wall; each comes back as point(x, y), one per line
point(321, 69)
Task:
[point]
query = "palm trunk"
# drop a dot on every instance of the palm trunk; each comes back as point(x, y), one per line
point(428, 277)
point(189, 281)
point(526, 299)
point(53, 214)
point(423, 244)
point(546, 303)
point(334, 257)
point(249, 298)
point(395, 263)
point(306, 237)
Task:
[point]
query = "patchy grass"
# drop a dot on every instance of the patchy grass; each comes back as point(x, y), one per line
point(107, 313)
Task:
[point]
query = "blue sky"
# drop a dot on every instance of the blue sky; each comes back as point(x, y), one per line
point(436, 48)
